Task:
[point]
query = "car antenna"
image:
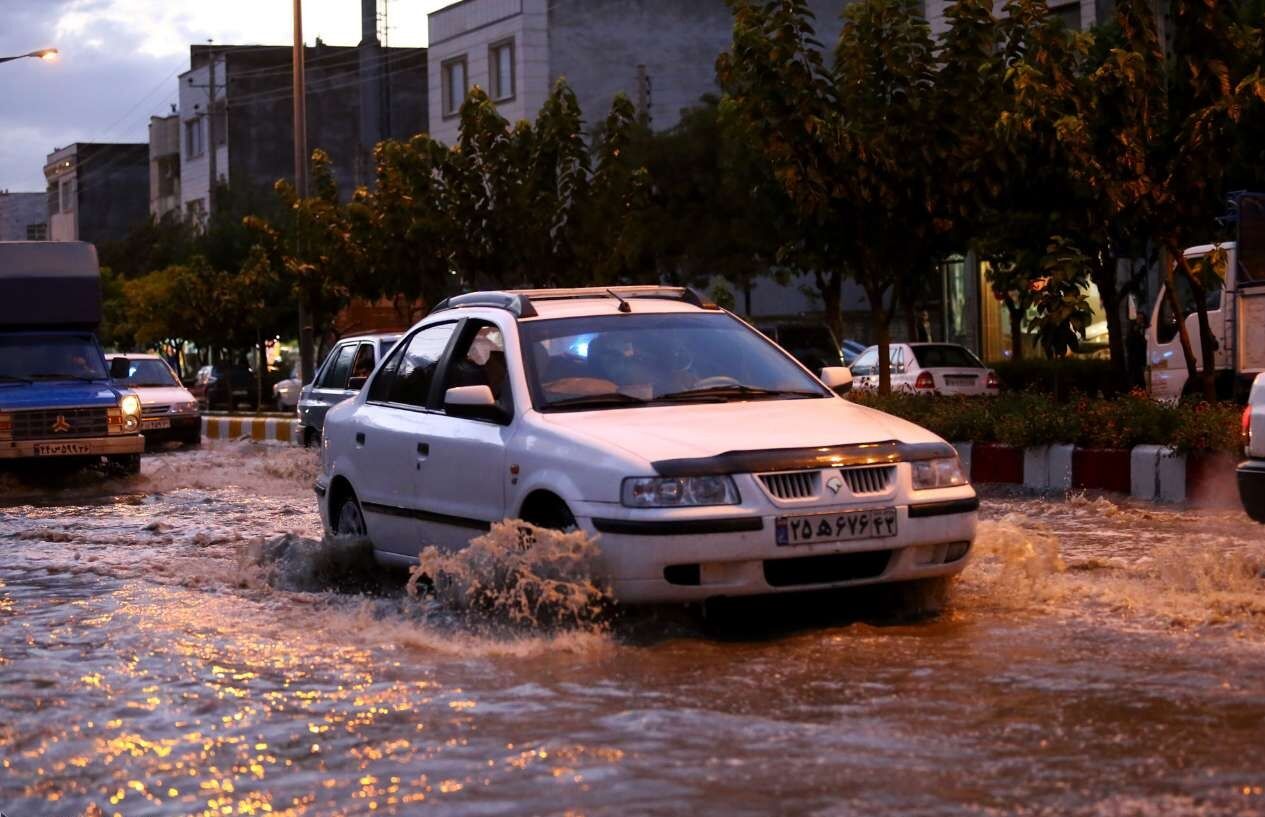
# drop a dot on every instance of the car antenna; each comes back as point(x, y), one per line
point(624, 306)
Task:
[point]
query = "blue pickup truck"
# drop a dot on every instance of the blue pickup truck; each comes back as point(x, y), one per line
point(58, 400)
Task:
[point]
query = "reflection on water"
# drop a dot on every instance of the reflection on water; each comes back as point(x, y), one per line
point(164, 652)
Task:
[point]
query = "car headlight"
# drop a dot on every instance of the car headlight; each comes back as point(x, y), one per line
point(677, 492)
point(130, 405)
point(941, 473)
point(188, 407)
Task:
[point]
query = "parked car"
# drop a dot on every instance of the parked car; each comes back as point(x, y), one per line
point(223, 386)
point(812, 344)
point(341, 375)
point(928, 368)
point(1251, 472)
point(705, 459)
point(285, 393)
point(169, 412)
point(851, 350)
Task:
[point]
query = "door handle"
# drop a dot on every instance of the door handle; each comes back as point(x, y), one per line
point(423, 449)
point(360, 438)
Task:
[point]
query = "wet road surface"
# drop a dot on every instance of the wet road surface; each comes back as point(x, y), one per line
point(1096, 658)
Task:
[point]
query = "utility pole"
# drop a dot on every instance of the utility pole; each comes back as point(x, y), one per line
point(210, 131)
point(306, 361)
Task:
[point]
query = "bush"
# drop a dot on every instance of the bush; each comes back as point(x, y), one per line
point(1028, 418)
point(1061, 378)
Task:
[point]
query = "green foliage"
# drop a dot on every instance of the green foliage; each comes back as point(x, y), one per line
point(1032, 419)
point(1060, 378)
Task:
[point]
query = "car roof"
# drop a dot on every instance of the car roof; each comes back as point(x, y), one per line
point(133, 356)
point(529, 304)
point(372, 336)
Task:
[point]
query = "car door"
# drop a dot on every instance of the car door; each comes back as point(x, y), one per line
point(392, 434)
point(330, 386)
point(462, 483)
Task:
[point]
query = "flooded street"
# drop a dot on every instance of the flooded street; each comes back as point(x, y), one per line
point(1096, 658)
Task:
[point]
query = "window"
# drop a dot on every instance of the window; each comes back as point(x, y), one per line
point(361, 367)
point(480, 361)
point(66, 194)
point(406, 377)
point(338, 368)
point(501, 70)
point(37, 232)
point(1167, 328)
point(194, 145)
point(941, 356)
point(456, 84)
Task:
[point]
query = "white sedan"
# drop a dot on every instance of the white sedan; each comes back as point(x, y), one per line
point(703, 458)
point(928, 368)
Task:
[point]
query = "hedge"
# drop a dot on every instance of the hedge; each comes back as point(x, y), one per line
point(1063, 378)
point(1026, 419)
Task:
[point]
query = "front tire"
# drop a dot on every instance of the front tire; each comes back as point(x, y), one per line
point(346, 517)
point(126, 465)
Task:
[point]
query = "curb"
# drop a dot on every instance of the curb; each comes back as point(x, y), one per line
point(260, 429)
point(1148, 472)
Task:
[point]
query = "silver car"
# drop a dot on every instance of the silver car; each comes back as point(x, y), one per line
point(342, 374)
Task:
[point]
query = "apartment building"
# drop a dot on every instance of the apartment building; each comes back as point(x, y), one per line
point(23, 216)
point(96, 191)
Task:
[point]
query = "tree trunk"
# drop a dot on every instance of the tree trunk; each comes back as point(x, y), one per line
point(1188, 351)
point(1207, 343)
point(880, 325)
point(830, 287)
point(1016, 330)
point(1103, 274)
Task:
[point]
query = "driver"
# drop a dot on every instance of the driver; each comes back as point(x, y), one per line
point(640, 364)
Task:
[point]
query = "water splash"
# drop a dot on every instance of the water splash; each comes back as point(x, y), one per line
point(518, 574)
point(296, 564)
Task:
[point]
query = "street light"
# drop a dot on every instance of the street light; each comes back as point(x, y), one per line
point(46, 54)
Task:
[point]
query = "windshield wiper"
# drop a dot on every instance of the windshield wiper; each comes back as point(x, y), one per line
point(726, 392)
point(605, 400)
point(63, 376)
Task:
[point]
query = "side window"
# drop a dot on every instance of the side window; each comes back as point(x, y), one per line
point(415, 365)
point(479, 360)
point(362, 366)
point(337, 368)
point(897, 356)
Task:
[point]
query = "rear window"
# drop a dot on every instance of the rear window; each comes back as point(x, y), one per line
point(945, 356)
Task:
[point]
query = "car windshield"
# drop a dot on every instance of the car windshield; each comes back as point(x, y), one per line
point(50, 357)
point(146, 372)
point(618, 360)
point(946, 355)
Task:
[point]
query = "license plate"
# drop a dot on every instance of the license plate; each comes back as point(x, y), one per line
point(155, 423)
point(959, 380)
point(875, 523)
point(61, 449)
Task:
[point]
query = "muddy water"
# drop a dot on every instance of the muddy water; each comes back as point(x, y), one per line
point(155, 659)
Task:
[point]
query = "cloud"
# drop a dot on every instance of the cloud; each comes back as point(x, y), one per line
point(119, 60)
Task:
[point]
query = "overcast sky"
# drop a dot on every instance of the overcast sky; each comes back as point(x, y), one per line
point(119, 61)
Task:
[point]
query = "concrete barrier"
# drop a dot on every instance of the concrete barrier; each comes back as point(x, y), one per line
point(261, 429)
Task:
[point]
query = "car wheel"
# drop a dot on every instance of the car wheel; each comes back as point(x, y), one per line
point(547, 511)
point(347, 519)
point(127, 465)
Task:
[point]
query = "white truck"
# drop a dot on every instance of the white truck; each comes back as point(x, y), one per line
point(1236, 314)
point(1251, 472)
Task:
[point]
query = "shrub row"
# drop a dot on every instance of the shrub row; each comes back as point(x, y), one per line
point(1026, 419)
point(1063, 378)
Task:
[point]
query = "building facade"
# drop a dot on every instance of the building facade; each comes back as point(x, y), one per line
point(236, 117)
point(96, 191)
point(23, 216)
point(164, 166)
point(659, 53)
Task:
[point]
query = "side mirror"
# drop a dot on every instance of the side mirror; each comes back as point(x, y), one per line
point(356, 383)
point(120, 368)
point(475, 402)
point(837, 378)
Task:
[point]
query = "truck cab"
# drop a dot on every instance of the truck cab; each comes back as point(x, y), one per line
point(1236, 311)
point(58, 401)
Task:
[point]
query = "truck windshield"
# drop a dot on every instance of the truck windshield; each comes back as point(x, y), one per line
point(147, 372)
point(50, 357)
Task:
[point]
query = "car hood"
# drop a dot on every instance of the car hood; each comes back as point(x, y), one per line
point(55, 394)
point(163, 395)
point(705, 430)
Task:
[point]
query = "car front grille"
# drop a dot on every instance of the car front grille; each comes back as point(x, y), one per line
point(792, 484)
point(836, 567)
point(56, 424)
point(155, 411)
point(869, 480)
